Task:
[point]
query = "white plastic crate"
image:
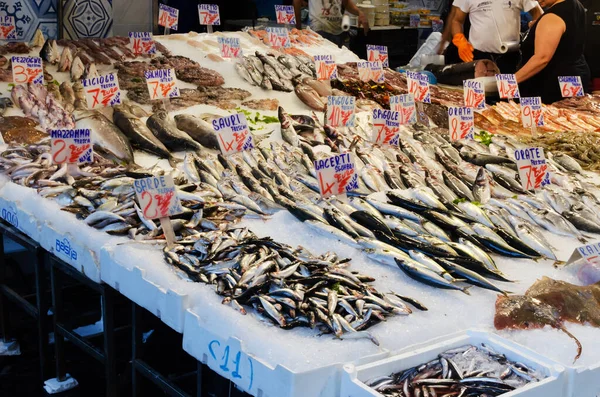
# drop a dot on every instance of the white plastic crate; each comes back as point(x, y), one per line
point(554, 385)
point(14, 215)
point(226, 355)
point(584, 381)
point(129, 278)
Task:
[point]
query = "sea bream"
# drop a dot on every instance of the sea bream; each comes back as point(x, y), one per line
point(167, 132)
point(200, 130)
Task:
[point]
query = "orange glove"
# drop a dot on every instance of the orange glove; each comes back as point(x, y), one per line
point(465, 49)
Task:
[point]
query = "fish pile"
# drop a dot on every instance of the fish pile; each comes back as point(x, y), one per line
point(550, 302)
point(273, 72)
point(298, 37)
point(290, 287)
point(20, 130)
point(584, 148)
point(37, 102)
point(462, 371)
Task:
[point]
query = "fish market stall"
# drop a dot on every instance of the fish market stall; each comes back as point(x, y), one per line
point(279, 286)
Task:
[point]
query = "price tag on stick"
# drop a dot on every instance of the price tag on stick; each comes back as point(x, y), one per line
point(209, 16)
point(532, 114)
point(102, 91)
point(386, 127)
point(326, 67)
point(8, 29)
point(162, 83)
point(157, 198)
point(233, 133)
point(230, 47)
point(460, 123)
point(533, 170)
point(405, 105)
point(507, 86)
point(168, 17)
point(418, 85)
point(71, 146)
point(337, 175)
point(285, 15)
point(340, 111)
point(370, 71)
point(474, 94)
point(27, 70)
point(570, 86)
point(590, 253)
point(278, 37)
point(378, 53)
point(142, 43)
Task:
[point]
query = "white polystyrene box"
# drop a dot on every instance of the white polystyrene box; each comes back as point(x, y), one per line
point(554, 385)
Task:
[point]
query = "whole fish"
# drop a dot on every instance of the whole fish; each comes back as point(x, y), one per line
point(481, 188)
point(310, 97)
point(287, 130)
point(66, 59)
point(166, 131)
point(77, 69)
point(106, 137)
point(198, 129)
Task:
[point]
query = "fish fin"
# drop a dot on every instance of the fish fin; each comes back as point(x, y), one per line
point(558, 263)
point(465, 290)
point(173, 161)
point(582, 240)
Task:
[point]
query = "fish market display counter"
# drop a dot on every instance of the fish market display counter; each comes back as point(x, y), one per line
point(260, 288)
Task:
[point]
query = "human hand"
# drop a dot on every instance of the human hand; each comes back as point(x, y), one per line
point(465, 49)
point(363, 21)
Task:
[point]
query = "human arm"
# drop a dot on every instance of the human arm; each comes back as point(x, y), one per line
point(298, 12)
point(447, 32)
point(353, 9)
point(458, 20)
point(547, 36)
point(465, 49)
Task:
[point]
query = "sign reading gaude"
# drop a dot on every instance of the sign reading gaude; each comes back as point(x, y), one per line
point(336, 174)
point(157, 197)
point(386, 127)
point(102, 91)
point(533, 170)
point(233, 133)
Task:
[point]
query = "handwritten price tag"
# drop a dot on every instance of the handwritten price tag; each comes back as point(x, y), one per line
point(340, 111)
point(278, 37)
point(589, 252)
point(157, 196)
point(533, 169)
point(162, 83)
point(102, 91)
point(234, 135)
point(230, 47)
point(337, 175)
point(326, 67)
point(474, 94)
point(285, 15)
point(570, 86)
point(415, 20)
point(437, 25)
point(405, 106)
point(386, 127)
point(209, 14)
point(418, 85)
point(507, 86)
point(8, 29)
point(460, 122)
point(378, 53)
point(370, 71)
point(532, 112)
point(168, 16)
point(142, 43)
point(71, 146)
point(27, 70)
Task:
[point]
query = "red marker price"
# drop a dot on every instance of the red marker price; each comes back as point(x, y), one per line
point(370, 71)
point(27, 70)
point(418, 85)
point(209, 14)
point(278, 37)
point(157, 197)
point(386, 127)
point(102, 91)
point(142, 43)
point(8, 29)
point(533, 170)
point(532, 112)
point(340, 111)
point(285, 14)
point(460, 123)
point(336, 175)
point(230, 47)
point(161, 83)
point(168, 16)
point(507, 86)
point(326, 67)
point(570, 86)
point(233, 133)
point(71, 146)
point(378, 53)
point(474, 94)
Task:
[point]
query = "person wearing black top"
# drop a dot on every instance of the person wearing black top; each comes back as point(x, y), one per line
point(554, 47)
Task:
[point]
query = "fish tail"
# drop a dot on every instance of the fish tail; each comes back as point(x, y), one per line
point(173, 161)
point(579, 347)
point(465, 290)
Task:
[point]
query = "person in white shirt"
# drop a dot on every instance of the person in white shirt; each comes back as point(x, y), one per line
point(325, 17)
point(495, 30)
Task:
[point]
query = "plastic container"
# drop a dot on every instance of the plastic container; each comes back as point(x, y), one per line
point(583, 381)
point(430, 47)
point(554, 385)
point(369, 10)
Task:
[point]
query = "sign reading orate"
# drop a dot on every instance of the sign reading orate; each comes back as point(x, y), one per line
point(8, 29)
point(209, 14)
point(340, 111)
point(507, 86)
point(370, 71)
point(532, 112)
point(474, 94)
point(285, 15)
point(168, 16)
point(230, 47)
point(234, 134)
point(102, 91)
point(378, 53)
point(570, 86)
point(162, 83)
point(386, 127)
point(278, 37)
point(533, 169)
point(142, 43)
point(418, 85)
point(326, 67)
point(157, 196)
point(460, 122)
point(27, 70)
point(337, 175)
point(405, 105)
point(71, 146)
